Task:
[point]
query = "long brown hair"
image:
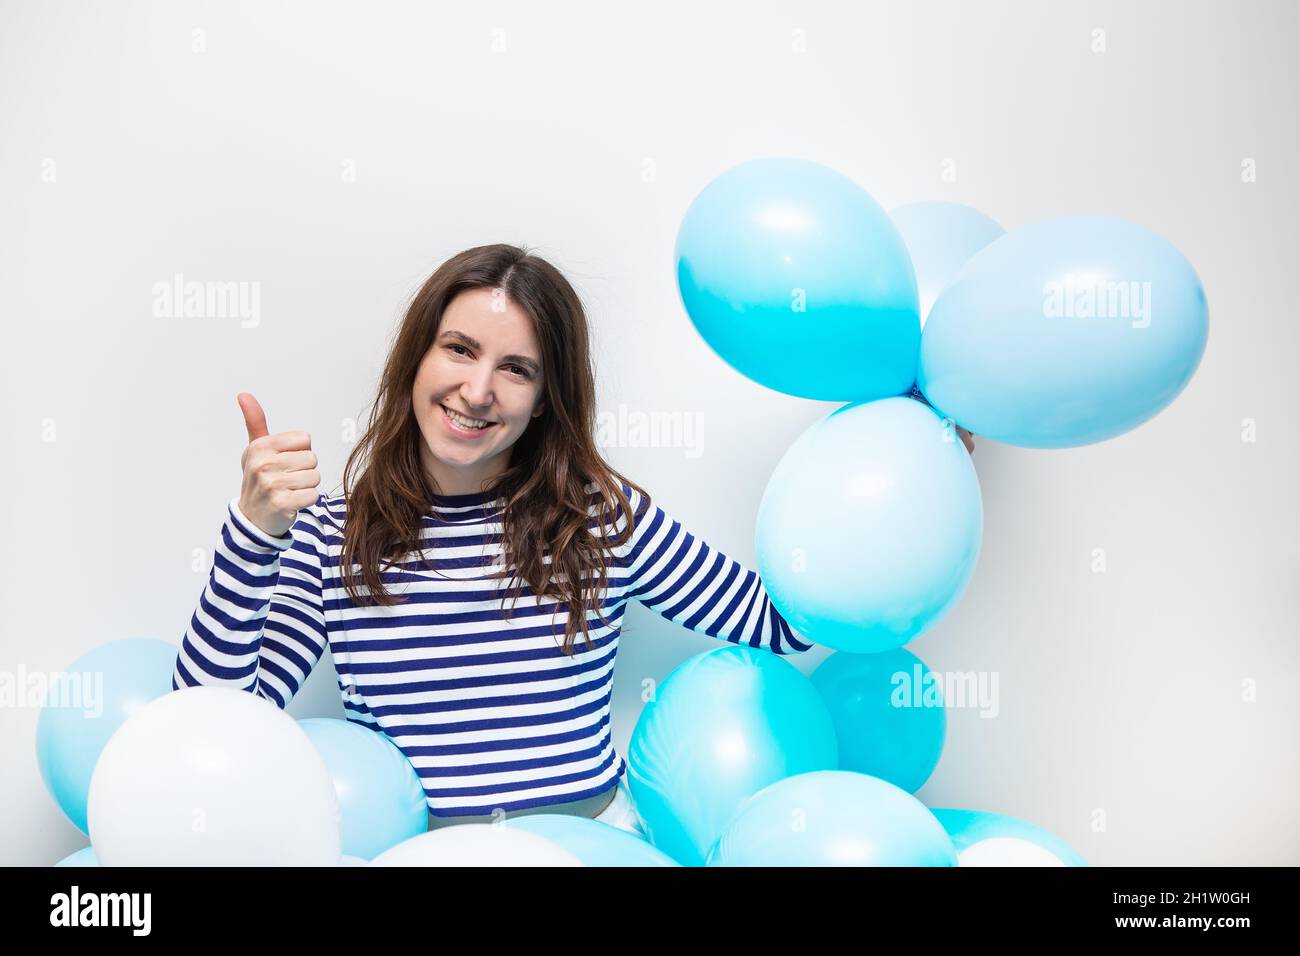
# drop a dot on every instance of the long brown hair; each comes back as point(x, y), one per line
point(547, 507)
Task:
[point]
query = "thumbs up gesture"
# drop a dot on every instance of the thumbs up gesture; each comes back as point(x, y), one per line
point(280, 475)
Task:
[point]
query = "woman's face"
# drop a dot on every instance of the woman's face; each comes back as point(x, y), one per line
point(485, 364)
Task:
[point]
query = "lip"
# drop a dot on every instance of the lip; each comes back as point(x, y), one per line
point(459, 432)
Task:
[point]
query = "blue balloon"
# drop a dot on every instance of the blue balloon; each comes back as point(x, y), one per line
point(721, 726)
point(1064, 333)
point(591, 841)
point(889, 714)
point(941, 237)
point(90, 699)
point(381, 798)
point(833, 818)
point(800, 281)
point(870, 526)
point(83, 857)
point(976, 835)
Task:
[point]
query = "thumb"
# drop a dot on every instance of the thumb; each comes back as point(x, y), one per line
point(254, 417)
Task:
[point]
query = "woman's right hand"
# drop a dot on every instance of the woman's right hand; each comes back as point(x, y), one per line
point(280, 475)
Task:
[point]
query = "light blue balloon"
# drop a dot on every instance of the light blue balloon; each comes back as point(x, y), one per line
point(941, 237)
point(870, 526)
point(83, 857)
point(593, 842)
point(1064, 333)
point(800, 281)
point(888, 712)
point(381, 799)
point(844, 819)
point(91, 698)
point(721, 726)
point(968, 827)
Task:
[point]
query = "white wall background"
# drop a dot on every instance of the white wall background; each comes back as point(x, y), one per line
point(127, 157)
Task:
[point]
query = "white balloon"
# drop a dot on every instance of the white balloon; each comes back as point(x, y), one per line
point(477, 844)
point(1007, 851)
point(212, 776)
point(353, 861)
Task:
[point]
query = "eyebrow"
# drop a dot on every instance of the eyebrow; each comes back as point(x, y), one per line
point(521, 359)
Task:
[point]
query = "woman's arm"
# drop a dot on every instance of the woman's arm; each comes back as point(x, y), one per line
point(260, 623)
point(679, 576)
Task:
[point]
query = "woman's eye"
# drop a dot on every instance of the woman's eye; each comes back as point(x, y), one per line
point(518, 369)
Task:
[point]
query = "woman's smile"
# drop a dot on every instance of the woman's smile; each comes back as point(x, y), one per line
point(460, 430)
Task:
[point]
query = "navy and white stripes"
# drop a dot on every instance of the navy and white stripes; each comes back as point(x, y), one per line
point(490, 711)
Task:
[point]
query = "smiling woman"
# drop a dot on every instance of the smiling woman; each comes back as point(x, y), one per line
point(478, 480)
point(476, 390)
point(496, 336)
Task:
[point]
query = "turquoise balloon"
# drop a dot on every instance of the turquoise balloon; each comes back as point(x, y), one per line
point(969, 829)
point(591, 841)
point(888, 712)
point(381, 799)
point(722, 725)
point(93, 697)
point(941, 237)
point(870, 526)
point(833, 818)
point(800, 281)
point(1064, 333)
point(83, 857)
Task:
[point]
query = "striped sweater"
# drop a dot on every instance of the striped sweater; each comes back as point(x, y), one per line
point(490, 712)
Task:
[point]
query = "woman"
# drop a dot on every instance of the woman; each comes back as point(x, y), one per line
point(477, 479)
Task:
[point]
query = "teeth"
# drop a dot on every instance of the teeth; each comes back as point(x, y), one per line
point(463, 421)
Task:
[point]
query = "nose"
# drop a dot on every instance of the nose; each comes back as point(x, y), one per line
point(476, 390)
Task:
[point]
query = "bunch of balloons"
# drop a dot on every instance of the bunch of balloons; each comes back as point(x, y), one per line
point(1062, 333)
point(740, 760)
point(211, 776)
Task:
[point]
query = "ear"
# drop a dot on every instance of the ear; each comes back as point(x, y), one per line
point(541, 408)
